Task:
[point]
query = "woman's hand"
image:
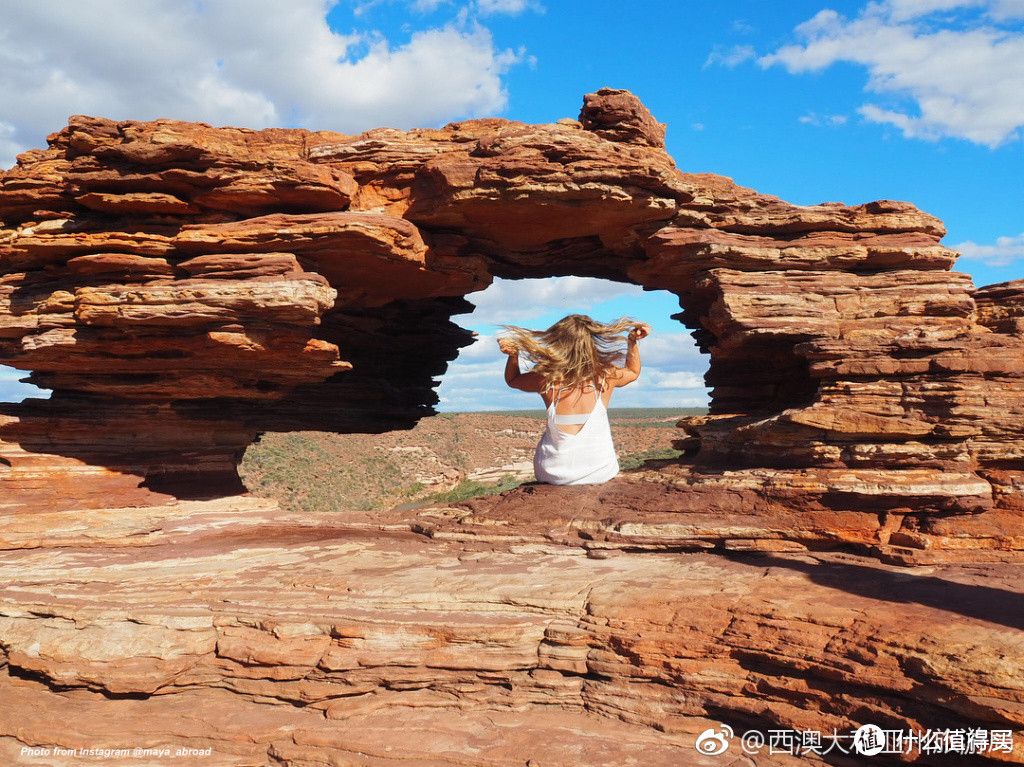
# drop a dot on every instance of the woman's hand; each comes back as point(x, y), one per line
point(508, 346)
point(640, 330)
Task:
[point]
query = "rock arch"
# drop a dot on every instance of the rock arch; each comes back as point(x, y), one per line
point(182, 288)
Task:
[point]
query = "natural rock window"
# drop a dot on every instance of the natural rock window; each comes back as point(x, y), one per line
point(181, 289)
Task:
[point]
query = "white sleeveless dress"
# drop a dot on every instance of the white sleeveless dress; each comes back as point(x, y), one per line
point(584, 458)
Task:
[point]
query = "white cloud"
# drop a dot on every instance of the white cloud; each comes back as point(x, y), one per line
point(962, 74)
point(1005, 9)
point(660, 387)
point(672, 352)
point(631, 396)
point(485, 347)
point(1000, 10)
point(9, 146)
point(509, 7)
point(663, 399)
point(519, 301)
point(661, 380)
point(820, 121)
point(488, 398)
point(428, 6)
point(730, 57)
point(254, 63)
point(1004, 252)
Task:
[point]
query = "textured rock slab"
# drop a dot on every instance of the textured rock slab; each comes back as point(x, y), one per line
point(677, 254)
point(313, 638)
point(176, 283)
point(619, 116)
point(253, 735)
point(1001, 307)
point(677, 508)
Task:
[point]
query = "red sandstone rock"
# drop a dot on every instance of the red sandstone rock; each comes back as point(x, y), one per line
point(314, 638)
point(182, 288)
point(618, 115)
point(172, 262)
point(1001, 307)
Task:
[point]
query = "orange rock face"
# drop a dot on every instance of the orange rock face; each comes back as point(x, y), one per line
point(549, 626)
point(283, 279)
point(182, 288)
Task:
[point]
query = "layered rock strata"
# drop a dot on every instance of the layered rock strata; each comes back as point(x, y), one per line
point(220, 282)
point(1001, 307)
point(182, 288)
point(346, 639)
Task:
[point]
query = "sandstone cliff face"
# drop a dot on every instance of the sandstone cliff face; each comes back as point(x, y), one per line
point(207, 284)
point(182, 288)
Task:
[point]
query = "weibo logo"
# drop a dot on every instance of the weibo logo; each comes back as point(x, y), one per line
point(713, 742)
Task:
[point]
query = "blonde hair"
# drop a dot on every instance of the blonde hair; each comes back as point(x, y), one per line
point(575, 350)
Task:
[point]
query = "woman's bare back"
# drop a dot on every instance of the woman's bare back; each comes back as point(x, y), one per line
point(578, 401)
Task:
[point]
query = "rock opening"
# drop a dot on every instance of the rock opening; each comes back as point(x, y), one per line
point(182, 288)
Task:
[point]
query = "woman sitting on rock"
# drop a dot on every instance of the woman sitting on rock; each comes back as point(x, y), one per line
point(574, 372)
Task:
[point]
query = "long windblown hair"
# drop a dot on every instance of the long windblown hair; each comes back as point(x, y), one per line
point(575, 350)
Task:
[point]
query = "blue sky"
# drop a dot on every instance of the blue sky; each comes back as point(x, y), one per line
point(919, 100)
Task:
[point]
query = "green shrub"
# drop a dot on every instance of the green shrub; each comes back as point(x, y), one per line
point(471, 488)
point(635, 460)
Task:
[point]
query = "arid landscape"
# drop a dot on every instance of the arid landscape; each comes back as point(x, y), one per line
point(452, 455)
point(834, 565)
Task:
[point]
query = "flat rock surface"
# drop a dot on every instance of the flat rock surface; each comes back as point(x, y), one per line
point(313, 639)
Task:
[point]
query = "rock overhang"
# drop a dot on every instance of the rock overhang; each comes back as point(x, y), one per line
point(229, 281)
point(182, 288)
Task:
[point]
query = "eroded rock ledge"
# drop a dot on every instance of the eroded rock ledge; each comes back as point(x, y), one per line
point(489, 637)
point(207, 284)
point(191, 286)
point(182, 288)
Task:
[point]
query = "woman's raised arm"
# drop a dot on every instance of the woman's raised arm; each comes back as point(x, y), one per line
point(631, 370)
point(528, 381)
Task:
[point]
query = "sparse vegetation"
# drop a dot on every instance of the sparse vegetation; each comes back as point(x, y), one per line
point(302, 472)
point(473, 489)
point(634, 460)
point(314, 471)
